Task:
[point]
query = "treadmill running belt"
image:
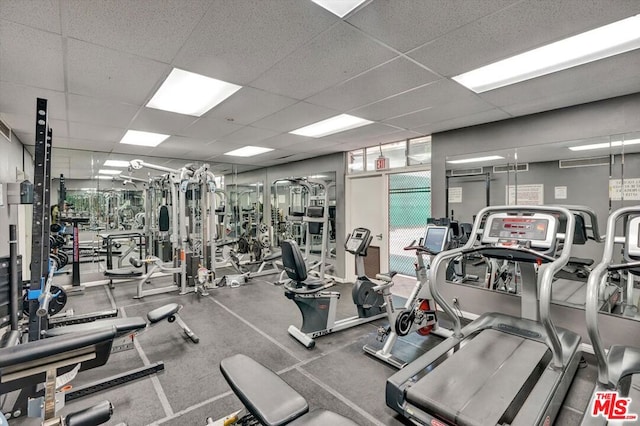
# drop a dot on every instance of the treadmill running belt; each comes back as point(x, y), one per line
point(476, 385)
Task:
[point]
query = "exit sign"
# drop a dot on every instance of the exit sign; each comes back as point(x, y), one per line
point(382, 163)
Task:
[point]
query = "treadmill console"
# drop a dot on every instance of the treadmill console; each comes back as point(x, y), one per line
point(632, 245)
point(536, 231)
point(436, 237)
point(358, 241)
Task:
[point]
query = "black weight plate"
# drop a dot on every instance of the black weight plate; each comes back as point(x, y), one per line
point(56, 305)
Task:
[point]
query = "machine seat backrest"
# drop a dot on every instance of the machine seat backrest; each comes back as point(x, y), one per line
point(163, 219)
point(293, 261)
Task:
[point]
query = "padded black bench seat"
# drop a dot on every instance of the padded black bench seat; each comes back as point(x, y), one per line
point(121, 325)
point(269, 398)
point(581, 261)
point(122, 273)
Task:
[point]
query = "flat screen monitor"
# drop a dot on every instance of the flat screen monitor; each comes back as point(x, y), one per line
point(435, 238)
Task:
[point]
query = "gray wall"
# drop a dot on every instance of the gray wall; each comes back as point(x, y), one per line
point(608, 117)
point(327, 163)
point(13, 159)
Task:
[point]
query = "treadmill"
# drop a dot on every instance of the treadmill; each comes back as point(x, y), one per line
point(499, 369)
point(619, 367)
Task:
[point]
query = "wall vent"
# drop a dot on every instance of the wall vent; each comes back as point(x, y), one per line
point(584, 162)
point(467, 172)
point(511, 168)
point(5, 130)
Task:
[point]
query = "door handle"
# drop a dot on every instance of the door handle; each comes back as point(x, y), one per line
point(379, 236)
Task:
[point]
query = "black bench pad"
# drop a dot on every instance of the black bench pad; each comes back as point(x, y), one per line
point(273, 256)
point(265, 395)
point(122, 273)
point(322, 418)
point(122, 326)
point(40, 349)
point(163, 312)
point(581, 261)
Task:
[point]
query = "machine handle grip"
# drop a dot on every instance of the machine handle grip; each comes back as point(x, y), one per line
point(381, 287)
point(422, 250)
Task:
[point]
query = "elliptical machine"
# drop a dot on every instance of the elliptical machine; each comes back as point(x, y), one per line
point(419, 311)
point(318, 306)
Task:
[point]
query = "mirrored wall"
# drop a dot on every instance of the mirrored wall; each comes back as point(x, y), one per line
point(601, 173)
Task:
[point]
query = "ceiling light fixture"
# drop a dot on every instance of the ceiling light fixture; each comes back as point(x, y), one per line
point(476, 159)
point(248, 151)
point(116, 163)
point(103, 177)
point(137, 137)
point(109, 172)
point(603, 42)
point(604, 145)
point(189, 93)
point(341, 8)
point(332, 125)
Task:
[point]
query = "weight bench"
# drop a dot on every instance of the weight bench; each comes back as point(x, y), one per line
point(269, 399)
point(41, 361)
point(125, 326)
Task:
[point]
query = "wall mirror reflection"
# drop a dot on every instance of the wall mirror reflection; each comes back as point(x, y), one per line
point(599, 174)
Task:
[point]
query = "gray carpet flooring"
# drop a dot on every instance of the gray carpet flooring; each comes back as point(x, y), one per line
point(253, 320)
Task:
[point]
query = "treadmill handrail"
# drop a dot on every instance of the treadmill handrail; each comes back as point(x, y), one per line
point(596, 276)
point(545, 282)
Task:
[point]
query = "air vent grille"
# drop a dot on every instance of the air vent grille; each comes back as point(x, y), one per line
point(584, 162)
point(5, 130)
point(467, 172)
point(511, 168)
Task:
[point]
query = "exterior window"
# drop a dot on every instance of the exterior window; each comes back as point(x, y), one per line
point(356, 161)
point(419, 151)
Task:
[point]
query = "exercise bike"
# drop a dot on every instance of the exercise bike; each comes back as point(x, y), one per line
point(318, 306)
point(419, 311)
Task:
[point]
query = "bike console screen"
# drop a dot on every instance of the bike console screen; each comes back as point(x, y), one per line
point(633, 238)
point(358, 241)
point(537, 230)
point(435, 239)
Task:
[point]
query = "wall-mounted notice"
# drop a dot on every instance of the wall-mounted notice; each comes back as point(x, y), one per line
point(528, 195)
point(560, 192)
point(455, 194)
point(631, 189)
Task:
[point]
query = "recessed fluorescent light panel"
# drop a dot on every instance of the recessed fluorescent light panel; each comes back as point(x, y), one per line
point(109, 172)
point(476, 159)
point(340, 8)
point(189, 93)
point(604, 145)
point(103, 177)
point(332, 125)
point(248, 151)
point(136, 137)
point(116, 163)
point(613, 39)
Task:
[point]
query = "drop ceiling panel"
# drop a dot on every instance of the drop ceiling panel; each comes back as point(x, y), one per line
point(294, 117)
point(248, 105)
point(95, 132)
point(209, 129)
point(17, 99)
point(459, 122)
point(396, 76)
point(31, 57)
point(236, 41)
point(243, 137)
point(178, 143)
point(28, 123)
point(87, 145)
point(100, 111)
point(517, 29)
point(158, 121)
point(285, 140)
point(104, 73)
point(407, 24)
point(138, 27)
point(439, 92)
point(43, 15)
point(364, 132)
point(334, 56)
point(440, 113)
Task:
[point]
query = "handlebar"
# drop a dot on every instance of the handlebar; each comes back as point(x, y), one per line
point(421, 250)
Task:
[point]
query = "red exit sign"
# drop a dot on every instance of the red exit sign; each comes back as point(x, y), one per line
point(382, 163)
